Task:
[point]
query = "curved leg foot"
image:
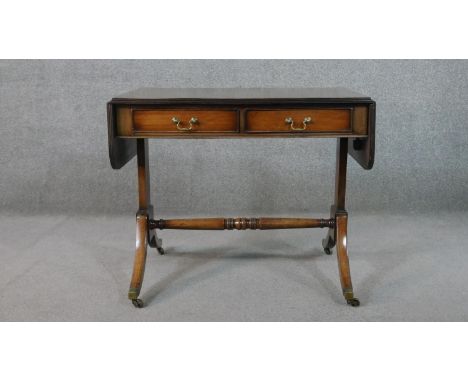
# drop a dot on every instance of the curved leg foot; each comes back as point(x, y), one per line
point(140, 259)
point(328, 243)
point(155, 242)
point(353, 302)
point(342, 255)
point(137, 303)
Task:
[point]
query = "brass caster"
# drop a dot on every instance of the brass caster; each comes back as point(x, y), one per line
point(353, 302)
point(137, 303)
point(327, 251)
point(160, 250)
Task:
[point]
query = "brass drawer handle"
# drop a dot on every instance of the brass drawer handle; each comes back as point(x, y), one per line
point(289, 121)
point(178, 122)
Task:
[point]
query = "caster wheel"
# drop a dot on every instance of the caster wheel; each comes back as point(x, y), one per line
point(137, 303)
point(160, 250)
point(327, 251)
point(353, 302)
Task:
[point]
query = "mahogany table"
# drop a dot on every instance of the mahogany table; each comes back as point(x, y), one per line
point(196, 113)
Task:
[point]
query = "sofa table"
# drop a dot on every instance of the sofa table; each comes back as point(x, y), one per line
point(197, 113)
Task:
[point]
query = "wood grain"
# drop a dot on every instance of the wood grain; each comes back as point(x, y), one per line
point(342, 254)
point(362, 150)
point(360, 132)
point(141, 245)
point(124, 121)
point(251, 95)
point(323, 120)
point(160, 121)
point(360, 114)
point(241, 113)
point(340, 191)
point(120, 150)
point(240, 223)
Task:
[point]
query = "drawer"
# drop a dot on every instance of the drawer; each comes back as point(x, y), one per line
point(298, 120)
point(184, 121)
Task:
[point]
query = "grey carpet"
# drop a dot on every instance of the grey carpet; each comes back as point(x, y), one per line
point(63, 268)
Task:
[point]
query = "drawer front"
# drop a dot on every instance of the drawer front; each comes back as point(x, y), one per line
point(185, 121)
point(298, 120)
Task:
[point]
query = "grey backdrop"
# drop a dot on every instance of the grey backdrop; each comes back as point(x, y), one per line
point(66, 254)
point(53, 147)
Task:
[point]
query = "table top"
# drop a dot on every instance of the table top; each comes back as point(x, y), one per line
point(146, 101)
point(235, 94)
